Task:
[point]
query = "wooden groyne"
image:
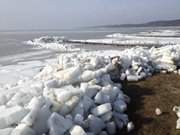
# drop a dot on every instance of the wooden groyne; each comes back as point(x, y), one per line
point(109, 44)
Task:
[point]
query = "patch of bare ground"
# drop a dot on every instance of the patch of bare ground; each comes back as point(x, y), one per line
point(162, 91)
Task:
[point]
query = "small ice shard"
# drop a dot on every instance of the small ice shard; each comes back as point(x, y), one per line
point(77, 130)
point(103, 133)
point(158, 111)
point(58, 125)
point(130, 126)
point(178, 124)
point(102, 109)
point(111, 128)
point(132, 78)
point(176, 109)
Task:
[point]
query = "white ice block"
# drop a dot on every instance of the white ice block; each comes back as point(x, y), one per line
point(58, 125)
point(40, 125)
point(102, 109)
point(77, 130)
point(87, 76)
point(130, 126)
point(12, 115)
point(132, 78)
point(87, 103)
point(23, 129)
point(95, 124)
point(69, 105)
point(101, 98)
point(120, 106)
point(35, 105)
point(107, 116)
point(6, 131)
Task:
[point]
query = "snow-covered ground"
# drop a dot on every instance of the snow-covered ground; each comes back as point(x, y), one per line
point(76, 93)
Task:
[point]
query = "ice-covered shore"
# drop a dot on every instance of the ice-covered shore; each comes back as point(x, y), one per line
point(163, 37)
point(78, 95)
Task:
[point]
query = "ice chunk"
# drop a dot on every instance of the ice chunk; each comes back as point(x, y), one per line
point(95, 124)
point(130, 126)
point(62, 95)
point(103, 133)
point(70, 75)
point(87, 76)
point(36, 105)
point(90, 90)
point(78, 119)
point(79, 109)
point(178, 124)
point(23, 129)
point(69, 105)
point(20, 98)
point(3, 99)
point(77, 130)
point(6, 131)
point(120, 106)
point(122, 117)
point(40, 124)
point(58, 125)
point(12, 115)
point(102, 109)
point(101, 98)
point(87, 103)
point(132, 78)
point(111, 128)
point(107, 116)
point(90, 133)
point(176, 109)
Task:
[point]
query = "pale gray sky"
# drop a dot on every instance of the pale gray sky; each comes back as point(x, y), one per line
point(54, 14)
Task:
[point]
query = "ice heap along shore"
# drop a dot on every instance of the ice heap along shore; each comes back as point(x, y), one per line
point(53, 43)
point(77, 95)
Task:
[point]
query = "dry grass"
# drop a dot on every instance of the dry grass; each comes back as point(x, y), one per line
point(161, 90)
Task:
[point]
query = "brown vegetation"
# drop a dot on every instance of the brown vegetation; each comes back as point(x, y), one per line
point(162, 91)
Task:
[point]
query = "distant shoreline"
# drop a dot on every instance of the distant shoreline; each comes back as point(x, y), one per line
point(161, 23)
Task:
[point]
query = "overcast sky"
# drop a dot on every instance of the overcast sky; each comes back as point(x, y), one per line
point(54, 14)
